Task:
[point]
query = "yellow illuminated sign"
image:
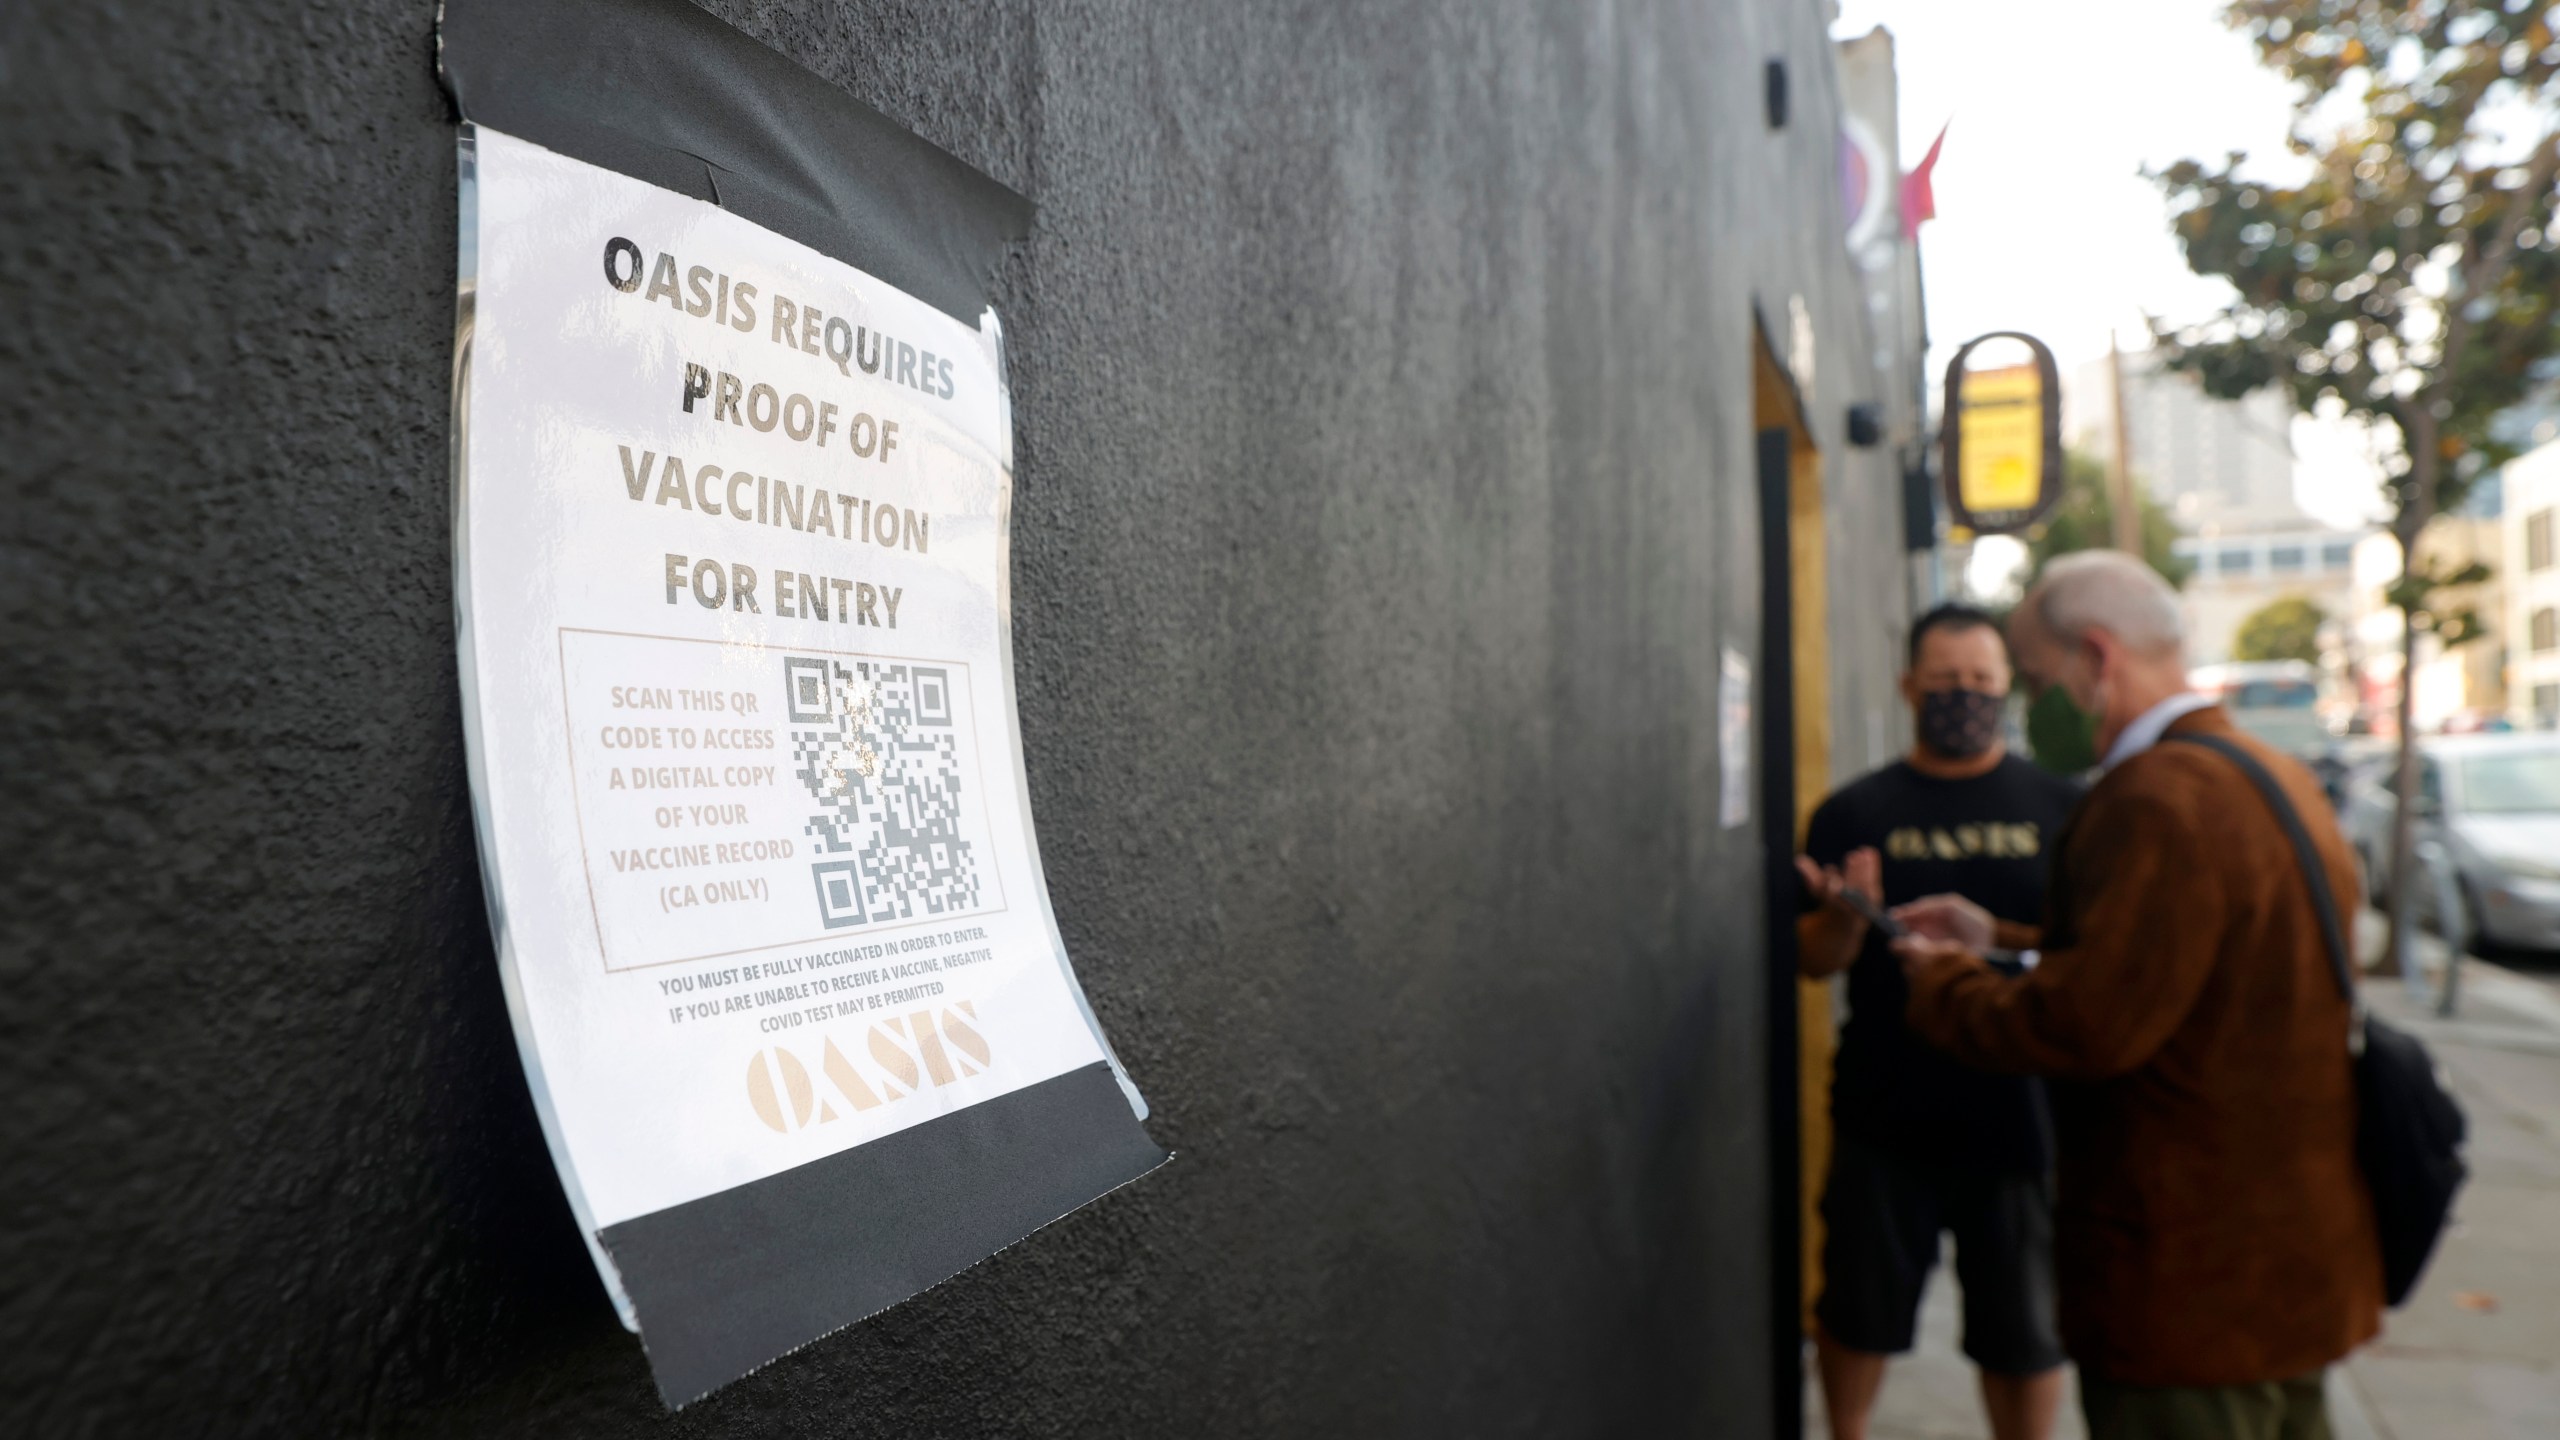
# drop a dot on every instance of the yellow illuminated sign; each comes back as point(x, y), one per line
point(2002, 453)
point(2001, 438)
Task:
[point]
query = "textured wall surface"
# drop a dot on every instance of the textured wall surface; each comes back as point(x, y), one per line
point(1385, 494)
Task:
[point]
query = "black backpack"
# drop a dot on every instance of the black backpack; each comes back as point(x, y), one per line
point(2409, 1131)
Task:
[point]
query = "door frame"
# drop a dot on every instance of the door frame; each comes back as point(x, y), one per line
point(1795, 771)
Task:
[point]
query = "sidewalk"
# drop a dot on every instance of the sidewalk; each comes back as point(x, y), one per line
point(2475, 1354)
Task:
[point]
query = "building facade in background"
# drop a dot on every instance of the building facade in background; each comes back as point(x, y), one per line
point(1883, 227)
point(2460, 687)
point(2528, 518)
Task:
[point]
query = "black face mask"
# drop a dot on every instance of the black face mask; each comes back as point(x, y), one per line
point(1960, 724)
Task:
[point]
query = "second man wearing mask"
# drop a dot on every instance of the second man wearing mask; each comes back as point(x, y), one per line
point(1923, 1144)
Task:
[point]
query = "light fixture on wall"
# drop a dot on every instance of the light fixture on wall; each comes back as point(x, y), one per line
point(1866, 424)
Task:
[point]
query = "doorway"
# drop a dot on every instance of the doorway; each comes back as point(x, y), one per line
point(1795, 775)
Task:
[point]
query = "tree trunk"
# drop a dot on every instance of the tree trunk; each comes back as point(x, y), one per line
point(2404, 815)
point(2416, 510)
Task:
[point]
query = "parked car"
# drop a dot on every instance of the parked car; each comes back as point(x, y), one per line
point(2493, 802)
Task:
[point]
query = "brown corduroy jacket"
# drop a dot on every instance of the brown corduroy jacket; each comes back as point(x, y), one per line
point(2211, 1224)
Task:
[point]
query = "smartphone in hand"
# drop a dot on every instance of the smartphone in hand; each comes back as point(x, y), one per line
point(2007, 962)
point(1873, 914)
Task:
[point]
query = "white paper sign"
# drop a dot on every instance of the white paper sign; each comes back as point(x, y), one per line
point(1733, 737)
point(739, 691)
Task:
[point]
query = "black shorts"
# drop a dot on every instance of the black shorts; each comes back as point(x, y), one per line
point(1881, 1215)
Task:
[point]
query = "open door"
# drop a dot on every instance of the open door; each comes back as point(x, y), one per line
point(1795, 771)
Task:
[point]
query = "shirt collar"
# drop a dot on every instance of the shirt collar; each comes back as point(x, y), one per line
point(2151, 724)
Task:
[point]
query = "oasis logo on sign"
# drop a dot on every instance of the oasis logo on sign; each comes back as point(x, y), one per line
point(905, 1052)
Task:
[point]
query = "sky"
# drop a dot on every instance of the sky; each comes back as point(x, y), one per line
point(2044, 223)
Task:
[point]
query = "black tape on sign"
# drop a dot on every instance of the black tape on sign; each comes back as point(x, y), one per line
point(662, 92)
point(727, 1282)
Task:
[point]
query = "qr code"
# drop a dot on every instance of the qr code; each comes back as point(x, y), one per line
point(874, 744)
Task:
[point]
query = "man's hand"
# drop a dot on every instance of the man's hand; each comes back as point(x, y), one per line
point(1862, 870)
point(1925, 959)
point(1827, 940)
point(1948, 917)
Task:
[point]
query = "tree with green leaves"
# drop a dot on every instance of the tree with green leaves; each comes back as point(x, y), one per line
point(2413, 279)
point(2286, 629)
point(2083, 518)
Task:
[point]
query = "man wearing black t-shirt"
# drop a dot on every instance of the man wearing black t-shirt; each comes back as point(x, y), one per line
point(1921, 1143)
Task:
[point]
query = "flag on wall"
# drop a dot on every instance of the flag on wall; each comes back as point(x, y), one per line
point(1919, 201)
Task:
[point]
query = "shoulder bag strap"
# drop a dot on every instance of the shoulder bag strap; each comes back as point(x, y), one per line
point(2323, 899)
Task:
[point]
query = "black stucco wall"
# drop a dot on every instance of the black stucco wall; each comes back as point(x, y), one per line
point(1384, 498)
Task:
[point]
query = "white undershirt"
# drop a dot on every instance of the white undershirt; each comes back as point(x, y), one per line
point(2151, 724)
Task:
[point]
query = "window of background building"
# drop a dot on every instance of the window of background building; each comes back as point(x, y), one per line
point(2537, 539)
point(2286, 559)
point(2546, 629)
point(2337, 555)
point(2235, 562)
